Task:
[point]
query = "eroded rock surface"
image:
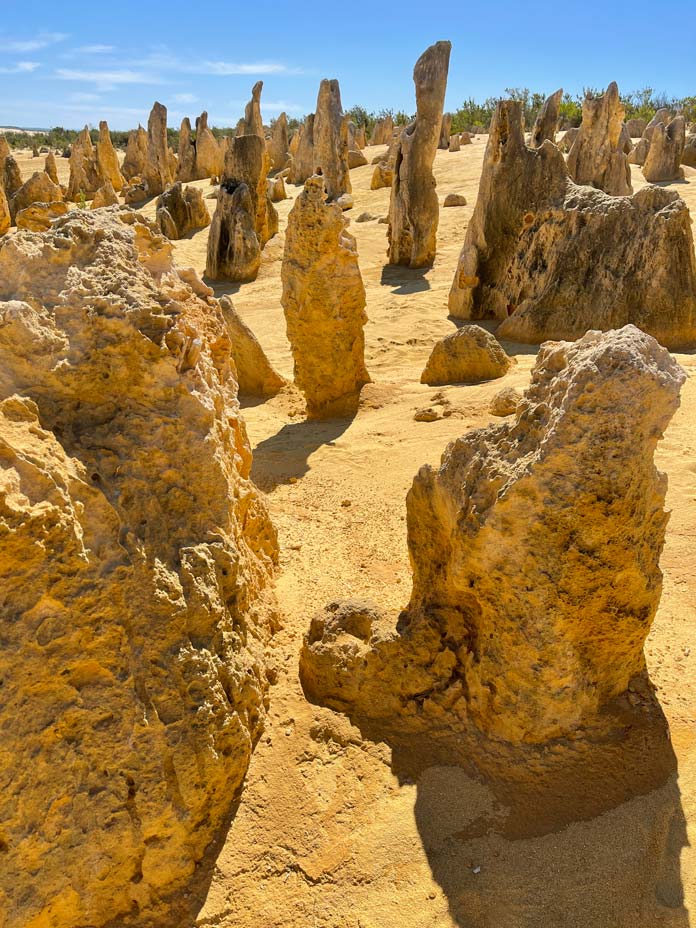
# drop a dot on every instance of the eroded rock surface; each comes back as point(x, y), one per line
point(664, 156)
point(324, 304)
point(534, 233)
point(414, 209)
point(158, 169)
point(331, 140)
point(596, 157)
point(535, 548)
point(135, 560)
point(246, 161)
point(302, 165)
point(85, 176)
point(234, 251)
point(136, 154)
point(547, 121)
point(107, 159)
point(181, 210)
point(469, 355)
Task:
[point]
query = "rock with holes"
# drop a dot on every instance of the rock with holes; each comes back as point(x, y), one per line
point(324, 303)
point(597, 157)
point(331, 140)
point(535, 549)
point(246, 161)
point(181, 211)
point(534, 234)
point(414, 208)
point(136, 556)
point(234, 251)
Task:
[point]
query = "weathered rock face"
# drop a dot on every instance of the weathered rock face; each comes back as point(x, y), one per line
point(234, 252)
point(157, 172)
point(135, 557)
point(689, 153)
point(625, 142)
point(246, 161)
point(38, 189)
point(331, 140)
point(356, 159)
point(210, 157)
point(360, 139)
point(186, 168)
point(469, 355)
point(661, 118)
point(639, 152)
point(565, 143)
point(454, 143)
point(663, 159)
point(136, 154)
point(105, 196)
point(324, 303)
point(445, 130)
point(534, 234)
point(276, 189)
point(382, 176)
point(181, 211)
point(414, 209)
point(51, 168)
point(596, 157)
point(279, 145)
point(39, 217)
point(5, 215)
point(107, 159)
point(252, 123)
point(535, 549)
point(383, 131)
point(636, 127)
point(85, 177)
point(547, 120)
point(255, 375)
point(302, 165)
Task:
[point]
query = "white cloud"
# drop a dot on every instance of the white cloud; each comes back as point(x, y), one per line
point(106, 80)
point(185, 97)
point(22, 67)
point(229, 68)
point(42, 40)
point(95, 49)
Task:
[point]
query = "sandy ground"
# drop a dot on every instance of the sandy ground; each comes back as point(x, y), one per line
point(327, 835)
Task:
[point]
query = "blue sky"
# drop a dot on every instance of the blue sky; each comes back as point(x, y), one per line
point(68, 63)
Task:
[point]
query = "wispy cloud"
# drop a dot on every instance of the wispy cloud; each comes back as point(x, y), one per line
point(107, 80)
point(95, 49)
point(229, 68)
point(22, 67)
point(185, 97)
point(85, 97)
point(42, 40)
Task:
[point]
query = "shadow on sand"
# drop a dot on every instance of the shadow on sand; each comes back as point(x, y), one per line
point(404, 280)
point(286, 454)
point(584, 832)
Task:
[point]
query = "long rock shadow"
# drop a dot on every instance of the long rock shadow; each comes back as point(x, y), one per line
point(404, 280)
point(586, 832)
point(286, 454)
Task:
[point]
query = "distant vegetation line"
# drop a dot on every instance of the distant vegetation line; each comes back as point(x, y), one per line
point(470, 115)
